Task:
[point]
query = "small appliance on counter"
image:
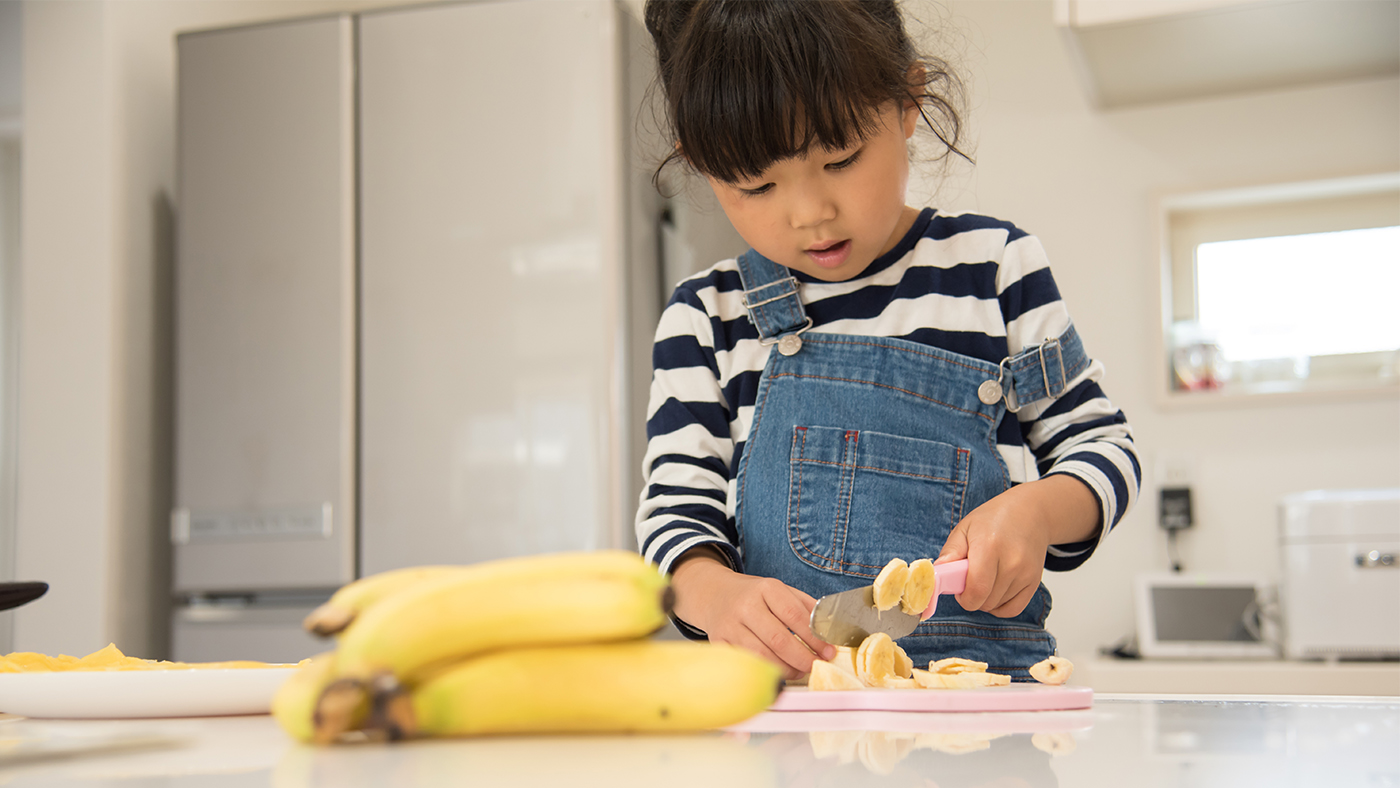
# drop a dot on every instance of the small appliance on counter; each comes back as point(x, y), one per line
point(1340, 588)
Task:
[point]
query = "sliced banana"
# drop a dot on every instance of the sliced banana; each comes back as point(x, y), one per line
point(845, 659)
point(903, 665)
point(918, 587)
point(929, 680)
point(875, 660)
point(1055, 670)
point(826, 676)
point(957, 665)
point(889, 584)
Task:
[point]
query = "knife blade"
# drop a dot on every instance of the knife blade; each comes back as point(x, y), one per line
point(16, 594)
point(849, 617)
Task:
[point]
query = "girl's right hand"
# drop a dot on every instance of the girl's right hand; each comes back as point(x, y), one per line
point(760, 614)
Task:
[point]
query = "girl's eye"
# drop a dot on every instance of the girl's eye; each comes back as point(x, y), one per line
point(846, 162)
point(757, 190)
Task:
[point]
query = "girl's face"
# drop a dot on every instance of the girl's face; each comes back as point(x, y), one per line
point(829, 213)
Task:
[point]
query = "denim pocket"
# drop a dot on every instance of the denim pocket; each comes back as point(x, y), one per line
point(857, 498)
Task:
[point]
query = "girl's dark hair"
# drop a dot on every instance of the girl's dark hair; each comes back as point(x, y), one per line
point(750, 82)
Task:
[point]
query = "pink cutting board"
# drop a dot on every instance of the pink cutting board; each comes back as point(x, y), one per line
point(1015, 697)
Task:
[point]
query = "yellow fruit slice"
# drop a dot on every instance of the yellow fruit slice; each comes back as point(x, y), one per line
point(845, 659)
point(826, 676)
point(957, 665)
point(929, 680)
point(875, 660)
point(903, 665)
point(889, 584)
point(918, 587)
point(1055, 670)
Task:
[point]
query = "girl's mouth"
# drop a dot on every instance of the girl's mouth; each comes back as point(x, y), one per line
point(830, 255)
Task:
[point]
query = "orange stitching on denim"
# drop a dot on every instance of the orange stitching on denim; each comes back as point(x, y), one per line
point(884, 470)
point(884, 386)
point(965, 463)
point(798, 487)
point(843, 523)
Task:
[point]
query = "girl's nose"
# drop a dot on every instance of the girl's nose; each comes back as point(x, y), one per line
point(810, 208)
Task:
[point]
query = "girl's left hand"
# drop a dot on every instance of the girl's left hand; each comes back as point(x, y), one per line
point(1005, 540)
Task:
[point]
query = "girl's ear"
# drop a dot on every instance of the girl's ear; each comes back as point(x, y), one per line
point(911, 112)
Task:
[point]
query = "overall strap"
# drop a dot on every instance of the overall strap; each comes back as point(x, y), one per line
point(770, 296)
point(1043, 370)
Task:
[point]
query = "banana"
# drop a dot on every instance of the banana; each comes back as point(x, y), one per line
point(826, 676)
point(918, 587)
point(337, 613)
point(928, 680)
point(889, 584)
point(537, 601)
point(294, 704)
point(876, 661)
point(640, 685)
point(1052, 670)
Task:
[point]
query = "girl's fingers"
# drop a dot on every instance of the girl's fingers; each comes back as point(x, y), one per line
point(1016, 603)
point(799, 621)
point(786, 651)
point(981, 580)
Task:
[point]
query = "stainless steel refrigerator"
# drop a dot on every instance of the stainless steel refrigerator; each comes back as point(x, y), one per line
point(419, 265)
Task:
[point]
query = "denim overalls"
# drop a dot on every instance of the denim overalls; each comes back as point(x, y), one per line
point(864, 449)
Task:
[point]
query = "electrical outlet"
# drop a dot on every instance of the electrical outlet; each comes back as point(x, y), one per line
point(1174, 508)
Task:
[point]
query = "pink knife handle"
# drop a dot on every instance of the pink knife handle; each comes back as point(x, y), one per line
point(949, 578)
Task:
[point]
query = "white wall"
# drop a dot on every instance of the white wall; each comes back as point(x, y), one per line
point(1083, 180)
point(96, 280)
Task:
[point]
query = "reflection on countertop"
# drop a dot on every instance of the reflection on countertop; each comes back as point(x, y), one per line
point(1123, 740)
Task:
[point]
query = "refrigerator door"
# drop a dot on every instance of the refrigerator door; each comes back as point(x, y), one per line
point(265, 283)
point(494, 333)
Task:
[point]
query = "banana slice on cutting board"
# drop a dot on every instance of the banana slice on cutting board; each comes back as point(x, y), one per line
point(1055, 670)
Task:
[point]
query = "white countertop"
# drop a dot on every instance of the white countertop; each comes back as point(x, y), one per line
point(1124, 740)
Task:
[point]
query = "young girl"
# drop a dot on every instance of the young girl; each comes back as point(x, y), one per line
point(870, 380)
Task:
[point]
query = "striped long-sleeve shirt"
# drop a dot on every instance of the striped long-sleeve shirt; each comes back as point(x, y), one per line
point(965, 283)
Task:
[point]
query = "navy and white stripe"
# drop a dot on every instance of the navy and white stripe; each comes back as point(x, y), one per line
point(966, 283)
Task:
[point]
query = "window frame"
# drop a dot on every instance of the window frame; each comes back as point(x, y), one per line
point(1247, 202)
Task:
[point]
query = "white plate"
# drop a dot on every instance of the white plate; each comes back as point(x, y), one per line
point(141, 693)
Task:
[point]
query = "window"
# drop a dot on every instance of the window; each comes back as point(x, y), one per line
point(1283, 289)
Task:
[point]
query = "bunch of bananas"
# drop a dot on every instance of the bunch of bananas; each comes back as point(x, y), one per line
point(540, 644)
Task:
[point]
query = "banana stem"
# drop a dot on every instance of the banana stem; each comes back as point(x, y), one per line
point(342, 708)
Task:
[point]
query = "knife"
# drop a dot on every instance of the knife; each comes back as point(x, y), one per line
point(848, 618)
point(16, 594)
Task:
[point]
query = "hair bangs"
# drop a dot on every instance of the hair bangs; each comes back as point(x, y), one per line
point(755, 100)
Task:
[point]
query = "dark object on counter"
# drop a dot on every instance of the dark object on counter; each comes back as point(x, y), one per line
point(16, 594)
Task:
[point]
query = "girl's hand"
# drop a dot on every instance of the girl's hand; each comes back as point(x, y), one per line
point(760, 614)
point(1005, 539)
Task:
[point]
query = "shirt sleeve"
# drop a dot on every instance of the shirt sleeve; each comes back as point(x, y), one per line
point(1080, 433)
point(689, 445)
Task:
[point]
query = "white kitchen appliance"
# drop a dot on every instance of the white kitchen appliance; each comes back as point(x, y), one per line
point(417, 283)
point(1203, 616)
point(1340, 589)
